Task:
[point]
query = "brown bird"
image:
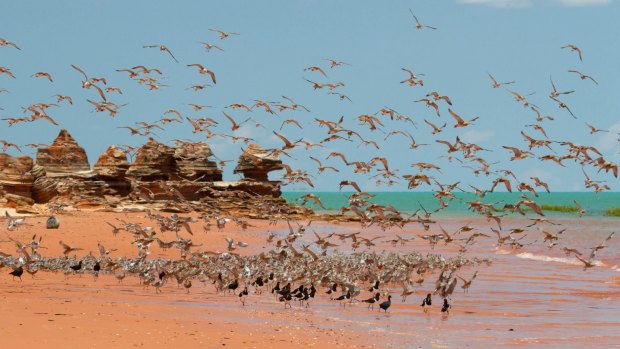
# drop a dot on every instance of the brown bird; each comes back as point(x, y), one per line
point(223, 35)
point(316, 69)
point(68, 249)
point(6, 71)
point(351, 183)
point(574, 49)
point(312, 197)
point(554, 91)
point(498, 84)
point(162, 48)
point(6, 145)
point(235, 125)
point(436, 129)
point(518, 154)
point(287, 143)
point(209, 46)
point(4, 42)
point(334, 63)
point(418, 25)
point(43, 75)
point(583, 76)
point(323, 168)
point(459, 121)
point(203, 70)
point(60, 98)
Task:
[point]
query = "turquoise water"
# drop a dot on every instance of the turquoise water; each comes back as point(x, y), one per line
point(595, 204)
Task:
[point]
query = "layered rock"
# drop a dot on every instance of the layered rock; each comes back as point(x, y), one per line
point(111, 168)
point(15, 176)
point(154, 161)
point(255, 163)
point(112, 163)
point(192, 162)
point(64, 157)
point(44, 187)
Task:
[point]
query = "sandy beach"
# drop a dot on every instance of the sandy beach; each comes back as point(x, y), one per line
point(530, 297)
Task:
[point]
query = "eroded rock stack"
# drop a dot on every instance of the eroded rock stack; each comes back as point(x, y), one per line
point(192, 162)
point(154, 161)
point(160, 173)
point(255, 163)
point(64, 157)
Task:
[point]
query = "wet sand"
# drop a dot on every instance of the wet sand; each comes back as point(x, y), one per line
point(534, 297)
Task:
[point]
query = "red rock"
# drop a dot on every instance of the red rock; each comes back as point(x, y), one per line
point(255, 163)
point(192, 162)
point(154, 161)
point(15, 177)
point(112, 163)
point(64, 157)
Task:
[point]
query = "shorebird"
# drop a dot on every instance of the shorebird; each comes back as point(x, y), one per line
point(335, 63)
point(314, 68)
point(419, 25)
point(6, 71)
point(13, 223)
point(209, 47)
point(203, 70)
point(467, 283)
point(43, 75)
point(583, 76)
point(574, 49)
point(68, 249)
point(161, 48)
point(498, 84)
point(459, 121)
point(4, 42)
point(223, 35)
point(580, 210)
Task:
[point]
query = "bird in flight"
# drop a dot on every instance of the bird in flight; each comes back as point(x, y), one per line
point(162, 48)
point(203, 70)
point(499, 84)
point(223, 35)
point(419, 25)
point(8, 43)
point(575, 49)
point(209, 46)
point(583, 76)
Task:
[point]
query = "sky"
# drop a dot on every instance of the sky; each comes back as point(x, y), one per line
point(514, 40)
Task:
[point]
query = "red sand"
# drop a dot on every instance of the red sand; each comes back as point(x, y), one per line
point(551, 304)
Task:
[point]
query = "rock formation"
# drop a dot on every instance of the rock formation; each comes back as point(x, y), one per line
point(192, 162)
point(154, 161)
point(15, 177)
point(168, 178)
point(64, 157)
point(255, 163)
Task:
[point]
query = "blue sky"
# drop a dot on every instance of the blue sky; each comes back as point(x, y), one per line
point(512, 39)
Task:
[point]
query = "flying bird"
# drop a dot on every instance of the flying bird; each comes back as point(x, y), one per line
point(223, 35)
point(162, 48)
point(574, 49)
point(203, 70)
point(419, 25)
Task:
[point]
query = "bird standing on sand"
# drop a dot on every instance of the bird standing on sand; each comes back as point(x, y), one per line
point(372, 300)
point(17, 272)
point(385, 305)
point(446, 306)
point(426, 302)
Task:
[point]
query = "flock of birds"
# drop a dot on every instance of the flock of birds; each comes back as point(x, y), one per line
point(278, 270)
point(285, 265)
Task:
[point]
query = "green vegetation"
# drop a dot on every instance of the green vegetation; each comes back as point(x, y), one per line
point(612, 212)
point(558, 208)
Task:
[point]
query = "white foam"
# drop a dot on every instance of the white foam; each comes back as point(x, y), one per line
point(544, 258)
